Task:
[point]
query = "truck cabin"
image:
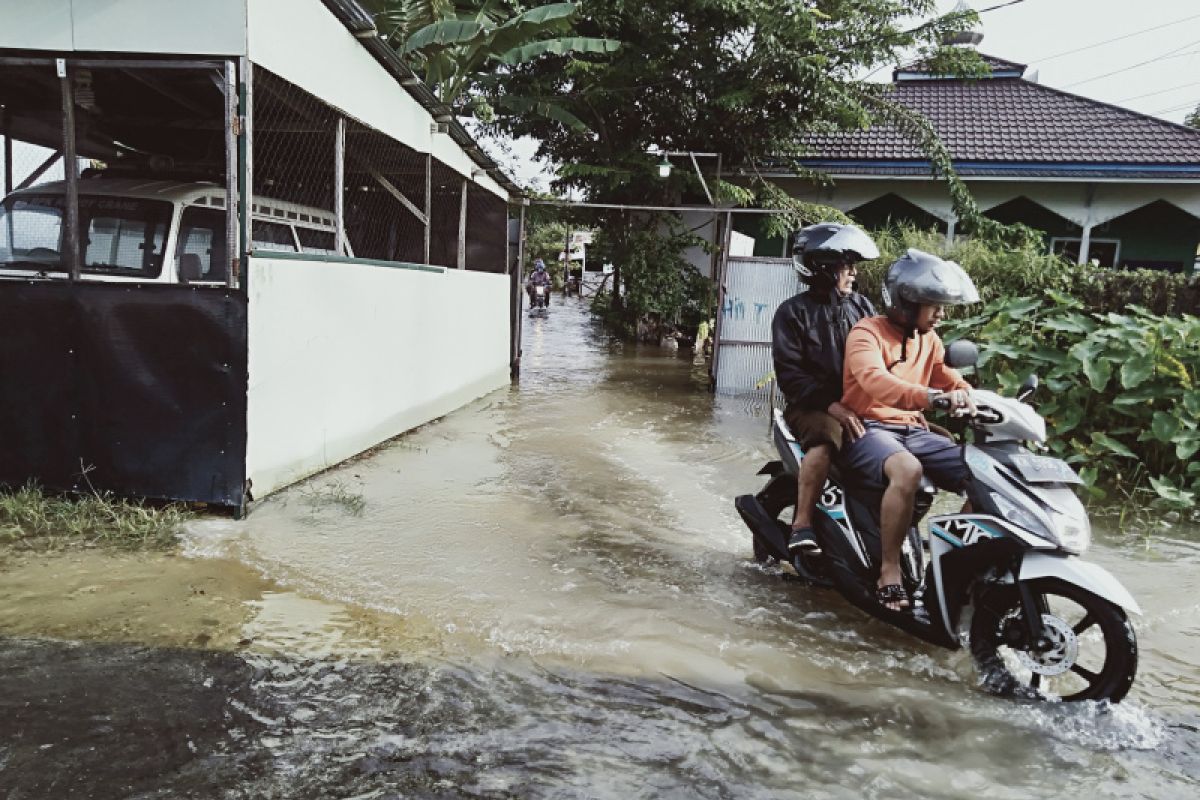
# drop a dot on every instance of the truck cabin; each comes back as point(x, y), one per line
point(148, 230)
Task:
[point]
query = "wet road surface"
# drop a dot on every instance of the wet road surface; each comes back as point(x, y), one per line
point(549, 594)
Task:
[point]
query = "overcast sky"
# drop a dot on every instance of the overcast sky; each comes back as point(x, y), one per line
point(1154, 71)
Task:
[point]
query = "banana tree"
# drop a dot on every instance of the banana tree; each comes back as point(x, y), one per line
point(460, 45)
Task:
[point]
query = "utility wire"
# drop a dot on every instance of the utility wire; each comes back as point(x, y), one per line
point(1160, 91)
point(1172, 109)
point(1002, 5)
point(1110, 41)
point(1169, 54)
point(981, 11)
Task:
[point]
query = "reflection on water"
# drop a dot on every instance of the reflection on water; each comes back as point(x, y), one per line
point(574, 613)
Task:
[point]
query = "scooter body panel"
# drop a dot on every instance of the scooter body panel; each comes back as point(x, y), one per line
point(1085, 575)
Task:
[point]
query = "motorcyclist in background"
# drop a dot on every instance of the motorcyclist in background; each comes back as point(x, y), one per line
point(808, 336)
point(539, 277)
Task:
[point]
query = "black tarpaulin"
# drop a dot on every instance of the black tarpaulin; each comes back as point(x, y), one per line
point(142, 387)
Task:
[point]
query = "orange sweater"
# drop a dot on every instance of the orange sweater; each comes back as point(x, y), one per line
point(870, 390)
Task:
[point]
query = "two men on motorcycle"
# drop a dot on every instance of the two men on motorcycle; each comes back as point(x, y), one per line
point(836, 362)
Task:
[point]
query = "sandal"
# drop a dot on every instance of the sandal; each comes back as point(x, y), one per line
point(802, 541)
point(892, 593)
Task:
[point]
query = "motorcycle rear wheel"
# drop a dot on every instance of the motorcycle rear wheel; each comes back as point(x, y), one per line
point(1080, 666)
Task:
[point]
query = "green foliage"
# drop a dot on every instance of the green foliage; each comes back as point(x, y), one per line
point(1121, 390)
point(660, 285)
point(1192, 120)
point(465, 45)
point(1001, 271)
point(32, 517)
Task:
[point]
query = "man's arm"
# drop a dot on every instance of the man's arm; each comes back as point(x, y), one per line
point(944, 378)
point(864, 360)
point(798, 379)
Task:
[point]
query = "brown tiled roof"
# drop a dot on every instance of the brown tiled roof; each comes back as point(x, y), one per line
point(1010, 121)
point(992, 62)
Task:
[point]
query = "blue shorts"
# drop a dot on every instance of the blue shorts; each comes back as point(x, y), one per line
point(941, 459)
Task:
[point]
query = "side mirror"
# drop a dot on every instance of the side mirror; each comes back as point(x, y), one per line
point(962, 353)
point(1028, 387)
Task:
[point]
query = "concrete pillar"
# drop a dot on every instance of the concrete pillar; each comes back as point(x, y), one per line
point(1085, 244)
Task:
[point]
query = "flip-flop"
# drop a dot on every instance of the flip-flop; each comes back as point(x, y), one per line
point(893, 593)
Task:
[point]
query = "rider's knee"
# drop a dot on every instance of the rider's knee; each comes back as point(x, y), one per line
point(903, 471)
point(818, 456)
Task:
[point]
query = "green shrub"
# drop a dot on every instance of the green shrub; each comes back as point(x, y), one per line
point(1001, 272)
point(1121, 392)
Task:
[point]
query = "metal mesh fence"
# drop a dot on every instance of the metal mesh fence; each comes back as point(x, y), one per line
point(446, 204)
point(391, 191)
point(487, 230)
point(295, 141)
point(385, 196)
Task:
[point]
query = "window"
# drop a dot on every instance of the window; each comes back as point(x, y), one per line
point(200, 253)
point(30, 231)
point(272, 236)
point(1106, 251)
point(322, 242)
point(121, 235)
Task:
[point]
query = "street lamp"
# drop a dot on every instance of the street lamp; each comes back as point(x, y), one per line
point(664, 167)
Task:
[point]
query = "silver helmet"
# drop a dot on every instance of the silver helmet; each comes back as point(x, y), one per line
point(919, 278)
point(818, 251)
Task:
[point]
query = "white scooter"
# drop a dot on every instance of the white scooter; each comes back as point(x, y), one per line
point(1044, 622)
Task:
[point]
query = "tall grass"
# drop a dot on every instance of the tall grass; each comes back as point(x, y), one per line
point(33, 517)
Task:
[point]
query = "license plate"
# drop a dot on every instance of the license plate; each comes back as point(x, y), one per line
point(1041, 469)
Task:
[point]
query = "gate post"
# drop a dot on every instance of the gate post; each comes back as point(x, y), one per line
point(722, 269)
point(70, 171)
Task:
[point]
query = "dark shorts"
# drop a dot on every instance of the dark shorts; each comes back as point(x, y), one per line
point(812, 428)
point(941, 459)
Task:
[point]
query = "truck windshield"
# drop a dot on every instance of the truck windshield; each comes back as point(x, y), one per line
point(121, 235)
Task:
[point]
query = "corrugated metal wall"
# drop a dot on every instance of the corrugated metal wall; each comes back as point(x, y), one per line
point(754, 288)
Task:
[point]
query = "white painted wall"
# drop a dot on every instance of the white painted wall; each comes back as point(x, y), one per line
point(344, 356)
point(43, 25)
point(209, 27)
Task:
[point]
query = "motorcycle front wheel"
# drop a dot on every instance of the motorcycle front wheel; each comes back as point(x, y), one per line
point(1089, 653)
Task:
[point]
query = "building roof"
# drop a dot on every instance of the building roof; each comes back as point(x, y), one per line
point(1004, 124)
point(1000, 67)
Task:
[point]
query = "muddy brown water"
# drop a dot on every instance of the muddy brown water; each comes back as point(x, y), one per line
point(546, 594)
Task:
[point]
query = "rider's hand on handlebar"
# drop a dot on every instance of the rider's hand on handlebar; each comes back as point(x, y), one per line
point(851, 424)
point(958, 401)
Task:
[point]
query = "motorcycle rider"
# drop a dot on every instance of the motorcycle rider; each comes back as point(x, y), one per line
point(895, 368)
point(539, 277)
point(808, 335)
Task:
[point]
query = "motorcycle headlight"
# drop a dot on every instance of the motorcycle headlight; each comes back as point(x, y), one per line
point(1020, 516)
point(1074, 533)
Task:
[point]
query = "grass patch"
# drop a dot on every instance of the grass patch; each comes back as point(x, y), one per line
point(337, 494)
point(31, 516)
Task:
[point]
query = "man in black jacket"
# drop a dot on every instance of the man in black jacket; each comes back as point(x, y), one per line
point(808, 338)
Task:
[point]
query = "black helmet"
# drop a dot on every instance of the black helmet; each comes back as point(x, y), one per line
point(820, 250)
point(919, 278)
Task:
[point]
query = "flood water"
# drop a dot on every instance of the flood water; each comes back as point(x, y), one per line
point(548, 594)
